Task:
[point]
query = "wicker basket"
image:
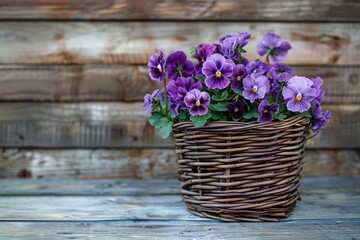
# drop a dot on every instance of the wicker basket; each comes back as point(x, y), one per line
point(241, 171)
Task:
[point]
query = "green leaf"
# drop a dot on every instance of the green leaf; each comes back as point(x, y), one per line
point(306, 114)
point(279, 116)
point(220, 98)
point(271, 99)
point(182, 115)
point(200, 78)
point(216, 115)
point(155, 118)
point(200, 121)
point(239, 91)
point(220, 106)
point(253, 113)
point(165, 127)
point(193, 50)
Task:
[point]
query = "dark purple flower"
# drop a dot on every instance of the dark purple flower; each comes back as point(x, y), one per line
point(203, 51)
point(255, 88)
point(275, 88)
point(237, 77)
point(320, 122)
point(298, 94)
point(232, 44)
point(265, 109)
point(197, 102)
point(174, 107)
point(178, 88)
point(236, 109)
point(257, 68)
point(156, 66)
point(274, 45)
point(148, 101)
point(281, 72)
point(315, 110)
point(218, 71)
point(178, 65)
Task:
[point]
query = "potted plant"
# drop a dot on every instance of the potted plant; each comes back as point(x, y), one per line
point(239, 126)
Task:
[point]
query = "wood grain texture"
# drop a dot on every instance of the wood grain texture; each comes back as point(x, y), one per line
point(277, 10)
point(140, 163)
point(96, 125)
point(134, 42)
point(332, 204)
point(132, 82)
point(131, 187)
point(181, 230)
point(108, 209)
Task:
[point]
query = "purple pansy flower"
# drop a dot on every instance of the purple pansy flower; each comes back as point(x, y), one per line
point(148, 101)
point(156, 66)
point(178, 65)
point(255, 88)
point(197, 102)
point(274, 45)
point(161, 96)
point(265, 109)
point(232, 43)
point(320, 122)
point(236, 109)
point(203, 51)
point(298, 94)
point(178, 88)
point(257, 68)
point(281, 72)
point(218, 71)
point(239, 73)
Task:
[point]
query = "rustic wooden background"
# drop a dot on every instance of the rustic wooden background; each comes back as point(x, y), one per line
point(73, 77)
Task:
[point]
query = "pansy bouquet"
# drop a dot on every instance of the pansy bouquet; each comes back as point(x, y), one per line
point(223, 85)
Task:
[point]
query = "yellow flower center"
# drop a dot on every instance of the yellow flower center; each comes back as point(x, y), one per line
point(299, 97)
point(238, 78)
point(218, 74)
point(255, 89)
point(265, 111)
point(236, 110)
point(197, 103)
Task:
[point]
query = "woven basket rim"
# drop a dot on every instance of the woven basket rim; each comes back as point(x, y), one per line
point(250, 124)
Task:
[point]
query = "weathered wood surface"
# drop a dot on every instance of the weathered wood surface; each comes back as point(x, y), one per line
point(336, 203)
point(181, 230)
point(127, 209)
point(113, 124)
point(151, 187)
point(277, 10)
point(77, 82)
point(140, 163)
point(133, 42)
point(132, 82)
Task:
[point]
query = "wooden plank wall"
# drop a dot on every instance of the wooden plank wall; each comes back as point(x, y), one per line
point(73, 75)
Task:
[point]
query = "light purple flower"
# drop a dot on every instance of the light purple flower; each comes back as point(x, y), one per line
point(148, 101)
point(203, 51)
point(257, 68)
point(265, 109)
point(161, 96)
point(238, 75)
point(298, 94)
point(320, 122)
point(174, 106)
point(178, 88)
point(236, 109)
point(156, 66)
point(255, 88)
point(197, 102)
point(218, 71)
point(232, 44)
point(178, 65)
point(281, 72)
point(274, 45)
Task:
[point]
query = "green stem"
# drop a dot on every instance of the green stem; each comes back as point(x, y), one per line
point(166, 98)
point(278, 94)
point(267, 58)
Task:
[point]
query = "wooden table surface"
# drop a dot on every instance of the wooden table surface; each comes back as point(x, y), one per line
point(153, 209)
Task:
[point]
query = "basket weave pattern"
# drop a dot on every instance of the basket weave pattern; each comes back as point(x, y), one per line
point(241, 171)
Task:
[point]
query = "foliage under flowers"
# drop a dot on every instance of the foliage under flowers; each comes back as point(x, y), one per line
point(224, 86)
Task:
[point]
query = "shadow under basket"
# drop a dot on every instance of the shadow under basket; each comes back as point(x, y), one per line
point(241, 171)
